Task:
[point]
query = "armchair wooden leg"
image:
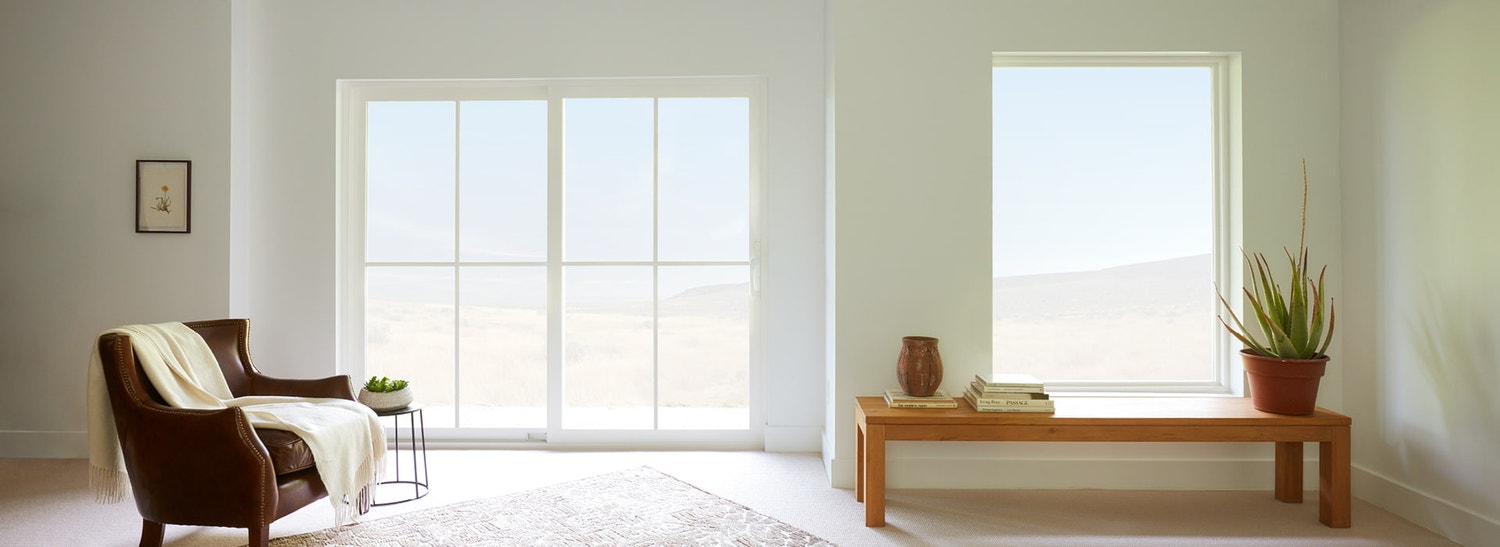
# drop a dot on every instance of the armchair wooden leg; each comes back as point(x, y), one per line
point(152, 533)
point(260, 536)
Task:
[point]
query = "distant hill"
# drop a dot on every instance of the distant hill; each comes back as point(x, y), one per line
point(1178, 283)
point(1185, 282)
point(730, 300)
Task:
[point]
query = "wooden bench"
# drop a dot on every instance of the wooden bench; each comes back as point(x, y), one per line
point(1111, 419)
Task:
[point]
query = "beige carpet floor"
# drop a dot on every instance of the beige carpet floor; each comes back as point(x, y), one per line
point(46, 502)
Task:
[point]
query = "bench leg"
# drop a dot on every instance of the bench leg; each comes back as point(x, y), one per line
point(1289, 472)
point(859, 462)
point(874, 472)
point(1334, 498)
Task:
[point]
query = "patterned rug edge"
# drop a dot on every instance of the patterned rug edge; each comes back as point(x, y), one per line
point(607, 509)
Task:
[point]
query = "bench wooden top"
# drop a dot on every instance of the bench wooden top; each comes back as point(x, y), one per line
point(1115, 411)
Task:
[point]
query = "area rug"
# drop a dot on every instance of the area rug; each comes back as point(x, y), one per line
point(640, 506)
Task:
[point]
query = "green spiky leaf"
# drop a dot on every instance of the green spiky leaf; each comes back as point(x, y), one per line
point(1291, 321)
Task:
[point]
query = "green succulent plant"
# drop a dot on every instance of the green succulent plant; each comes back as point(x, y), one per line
point(383, 384)
point(1294, 322)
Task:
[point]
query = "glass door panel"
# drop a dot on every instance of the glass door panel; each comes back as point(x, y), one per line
point(503, 181)
point(608, 171)
point(704, 363)
point(409, 333)
point(704, 185)
point(503, 346)
point(608, 364)
point(409, 167)
point(516, 236)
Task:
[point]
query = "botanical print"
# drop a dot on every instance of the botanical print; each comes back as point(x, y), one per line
point(162, 196)
point(164, 201)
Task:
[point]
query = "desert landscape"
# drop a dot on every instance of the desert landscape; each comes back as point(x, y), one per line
point(1105, 325)
point(702, 370)
point(1150, 320)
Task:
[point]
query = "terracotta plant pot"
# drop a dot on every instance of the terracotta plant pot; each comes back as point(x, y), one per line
point(1283, 386)
point(919, 368)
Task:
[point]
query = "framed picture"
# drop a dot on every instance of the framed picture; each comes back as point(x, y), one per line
point(163, 196)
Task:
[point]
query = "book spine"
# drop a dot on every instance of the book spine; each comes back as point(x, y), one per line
point(1014, 405)
point(1017, 403)
point(1008, 402)
point(921, 403)
point(1022, 395)
point(982, 393)
point(1003, 386)
point(894, 401)
point(1008, 388)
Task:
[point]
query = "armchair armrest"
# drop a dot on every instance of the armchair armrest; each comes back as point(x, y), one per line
point(332, 387)
point(180, 457)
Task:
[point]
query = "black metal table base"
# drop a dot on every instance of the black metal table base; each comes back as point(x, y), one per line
point(418, 482)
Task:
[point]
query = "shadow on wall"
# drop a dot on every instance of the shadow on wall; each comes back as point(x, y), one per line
point(1454, 337)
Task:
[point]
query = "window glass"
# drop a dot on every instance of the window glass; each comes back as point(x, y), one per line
point(705, 347)
point(609, 358)
point(631, 311)
point(503, 181)
point(409, 333)
point(409, 181)
point(608, 168)
point(704, 185)
point(503, 346)
point(1104, 181)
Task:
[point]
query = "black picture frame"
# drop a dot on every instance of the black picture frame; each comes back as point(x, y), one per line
point(163, 196)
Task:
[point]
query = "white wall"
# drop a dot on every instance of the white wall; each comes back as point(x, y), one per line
point(288, 55)
point(912, 198)
point(87, 88)
point(1420, 133)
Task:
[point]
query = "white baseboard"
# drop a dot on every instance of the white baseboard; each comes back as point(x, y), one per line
point(74, 444)
point(1452, 521)
point(44, 444)
point(794, 438)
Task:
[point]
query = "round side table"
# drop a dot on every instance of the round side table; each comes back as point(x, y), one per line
point(416, 427)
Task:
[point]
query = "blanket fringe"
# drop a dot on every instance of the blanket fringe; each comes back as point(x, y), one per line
point(352, 507)
point(109, 486)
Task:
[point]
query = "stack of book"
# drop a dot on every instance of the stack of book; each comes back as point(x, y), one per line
point(896, 398)
point(1008, 393)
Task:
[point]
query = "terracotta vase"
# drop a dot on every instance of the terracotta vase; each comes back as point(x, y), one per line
point(919, 368)
point(1283, 386)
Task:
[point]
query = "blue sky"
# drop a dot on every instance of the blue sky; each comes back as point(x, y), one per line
point(695, 149)
point(1100, 166)
point(1093, 166)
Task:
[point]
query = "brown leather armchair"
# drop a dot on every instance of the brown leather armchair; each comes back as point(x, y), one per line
point(209, 467)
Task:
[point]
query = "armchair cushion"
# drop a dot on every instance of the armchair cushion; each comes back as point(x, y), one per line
point(289, 453)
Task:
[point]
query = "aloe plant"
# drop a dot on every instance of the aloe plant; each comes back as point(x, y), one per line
point(1293, 321)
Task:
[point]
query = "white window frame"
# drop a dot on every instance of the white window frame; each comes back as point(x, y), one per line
point(1226, 377)
point(354, 95)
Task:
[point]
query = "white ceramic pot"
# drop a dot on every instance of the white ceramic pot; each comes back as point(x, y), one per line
point(386, 401)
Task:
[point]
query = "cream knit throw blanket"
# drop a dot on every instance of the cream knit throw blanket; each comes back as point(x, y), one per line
point(345, 437)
